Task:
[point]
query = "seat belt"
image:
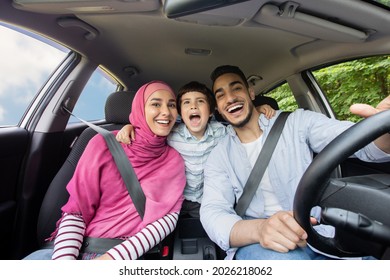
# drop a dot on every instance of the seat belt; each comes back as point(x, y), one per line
point(261, 164)
point(124, 166)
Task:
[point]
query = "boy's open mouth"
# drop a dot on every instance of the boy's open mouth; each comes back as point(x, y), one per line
point(194, 119)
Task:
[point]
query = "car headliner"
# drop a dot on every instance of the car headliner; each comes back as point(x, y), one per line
point(137, 42)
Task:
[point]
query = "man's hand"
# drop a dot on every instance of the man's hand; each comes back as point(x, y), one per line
point(281, 232)
point(366, 111)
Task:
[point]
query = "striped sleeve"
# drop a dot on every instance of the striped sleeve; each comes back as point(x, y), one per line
point(135, 246)
point(69, 238)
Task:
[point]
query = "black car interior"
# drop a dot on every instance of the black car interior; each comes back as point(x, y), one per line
point(36, 164)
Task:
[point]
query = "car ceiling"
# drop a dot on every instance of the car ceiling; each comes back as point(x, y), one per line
point(137, 42)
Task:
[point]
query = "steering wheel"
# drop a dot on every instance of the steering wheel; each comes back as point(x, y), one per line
point(357, 207)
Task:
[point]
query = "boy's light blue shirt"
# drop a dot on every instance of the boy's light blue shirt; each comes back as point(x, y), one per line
point(227, 169)
point(195, 153)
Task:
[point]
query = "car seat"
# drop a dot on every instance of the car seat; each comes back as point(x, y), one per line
point(117, 111)
point(261, 99)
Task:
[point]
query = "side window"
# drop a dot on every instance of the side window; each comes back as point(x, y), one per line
point(284, 96)
point(90, 105)
point(27, 61)
point(365, 80)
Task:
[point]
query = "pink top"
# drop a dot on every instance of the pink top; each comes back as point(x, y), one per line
point(98, 193)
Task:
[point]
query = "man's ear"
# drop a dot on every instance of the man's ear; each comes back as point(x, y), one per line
point(212, 111)
point(217, 109)
point(252, 93)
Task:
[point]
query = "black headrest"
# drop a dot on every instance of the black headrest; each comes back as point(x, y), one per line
point(261, 99)
point(118, 107)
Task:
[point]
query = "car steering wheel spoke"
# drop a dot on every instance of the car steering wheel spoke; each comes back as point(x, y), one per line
point(357, 224)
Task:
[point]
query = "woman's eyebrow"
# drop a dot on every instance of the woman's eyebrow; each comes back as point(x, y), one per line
point(161, 100)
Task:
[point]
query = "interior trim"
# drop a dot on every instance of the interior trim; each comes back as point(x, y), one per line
point(288, 17)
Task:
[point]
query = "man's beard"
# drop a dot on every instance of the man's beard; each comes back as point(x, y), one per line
point(246, 120)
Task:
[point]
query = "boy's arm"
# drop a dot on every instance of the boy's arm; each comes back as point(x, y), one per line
point(267, 110)
point(126, 134)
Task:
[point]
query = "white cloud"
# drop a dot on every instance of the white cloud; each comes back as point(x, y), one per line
point(2, 113)
point(25, 63)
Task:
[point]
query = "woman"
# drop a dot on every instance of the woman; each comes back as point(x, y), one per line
point(100, 205)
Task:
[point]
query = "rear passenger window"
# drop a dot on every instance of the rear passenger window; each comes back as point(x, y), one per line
point(365, 80)
point(90, 105)
point(284, 97)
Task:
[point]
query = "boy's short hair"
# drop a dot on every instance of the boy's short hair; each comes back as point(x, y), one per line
point(199, 87)
point(227, 69)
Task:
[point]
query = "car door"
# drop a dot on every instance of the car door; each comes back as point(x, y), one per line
point(363, 80)
point(22, 74)
point(37, 78)
point(331, 89)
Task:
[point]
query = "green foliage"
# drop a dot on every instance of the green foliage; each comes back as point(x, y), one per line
point(284, 97)
point(364, 80)
point(384, 2)
point(359, 81)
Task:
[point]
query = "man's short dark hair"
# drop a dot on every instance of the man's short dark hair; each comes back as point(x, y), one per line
point(227, 69)
point(199, 87)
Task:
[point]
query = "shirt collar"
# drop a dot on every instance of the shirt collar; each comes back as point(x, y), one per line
point(264, 124)
point(185, 133)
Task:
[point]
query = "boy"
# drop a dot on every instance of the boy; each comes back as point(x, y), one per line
point(194, 138)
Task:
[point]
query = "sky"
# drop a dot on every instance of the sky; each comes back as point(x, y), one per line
point(24, 64)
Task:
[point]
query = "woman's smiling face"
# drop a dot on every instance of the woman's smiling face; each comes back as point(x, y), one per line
point(161, 112)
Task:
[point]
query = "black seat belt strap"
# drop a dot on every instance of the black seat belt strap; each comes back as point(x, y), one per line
point(261, 164)
point(124, 166)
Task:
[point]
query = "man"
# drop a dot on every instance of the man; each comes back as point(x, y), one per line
point(268, 230)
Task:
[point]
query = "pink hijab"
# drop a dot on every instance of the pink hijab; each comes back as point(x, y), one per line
point(98, 193)
point(148, 147)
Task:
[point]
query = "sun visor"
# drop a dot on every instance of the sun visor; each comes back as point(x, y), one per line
point(231, 15)
point(288, 17)
point(87, 6)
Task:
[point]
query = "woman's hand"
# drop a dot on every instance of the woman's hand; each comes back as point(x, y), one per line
point(104, 257)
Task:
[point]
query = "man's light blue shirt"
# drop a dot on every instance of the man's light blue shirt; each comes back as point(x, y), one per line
point(227, 169)
point(195, 152)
